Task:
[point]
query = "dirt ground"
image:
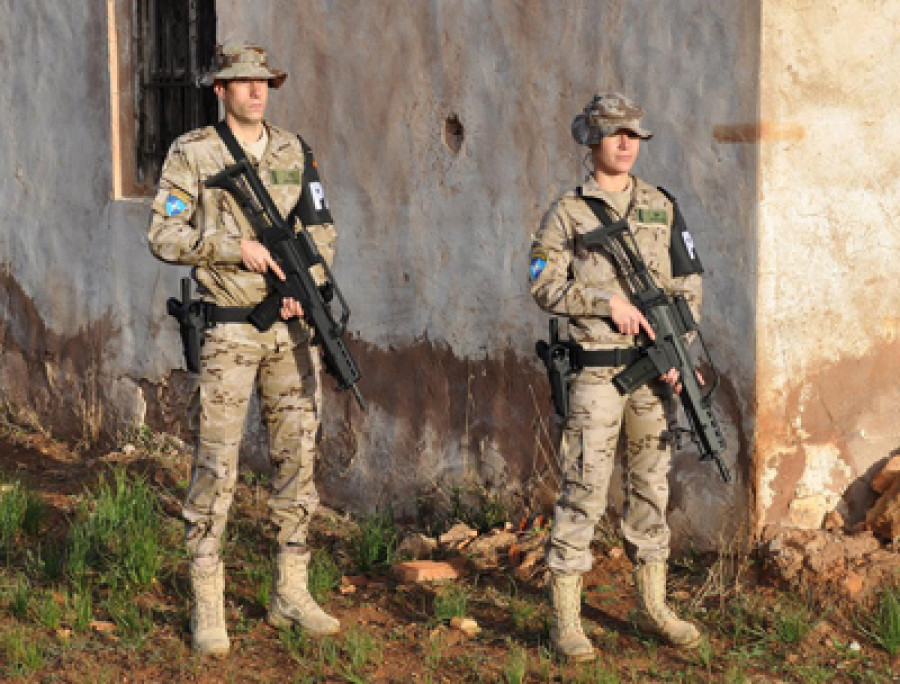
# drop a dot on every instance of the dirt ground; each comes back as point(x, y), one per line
point(396, 632)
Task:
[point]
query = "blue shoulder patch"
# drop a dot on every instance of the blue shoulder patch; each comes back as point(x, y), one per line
point(175, 205)
point(537, 267)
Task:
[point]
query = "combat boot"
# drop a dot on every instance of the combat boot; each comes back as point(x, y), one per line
point(208, 634)
point(291, 601)
point(566, 633)
point(653, 613)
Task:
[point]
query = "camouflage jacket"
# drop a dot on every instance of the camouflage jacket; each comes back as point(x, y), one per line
point(202, 227)
point(569, 280)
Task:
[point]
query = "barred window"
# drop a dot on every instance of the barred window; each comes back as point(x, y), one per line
point(174, 46)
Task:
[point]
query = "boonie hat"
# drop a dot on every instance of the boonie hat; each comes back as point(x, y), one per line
point(242, 60)
point(604, 115)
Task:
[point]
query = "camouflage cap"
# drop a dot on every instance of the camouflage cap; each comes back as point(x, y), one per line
point(242, 60)
point(604, 115)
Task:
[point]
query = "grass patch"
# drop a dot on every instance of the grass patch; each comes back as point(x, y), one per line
point(516, 665)
point(373, 545)
point(324, 575)
point(115, 539)
point(793, 622)
point(882, 623)
point(22, 652)
point(450, 602)
point(21, 512)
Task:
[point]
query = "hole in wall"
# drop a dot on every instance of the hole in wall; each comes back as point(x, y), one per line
point(454, 133)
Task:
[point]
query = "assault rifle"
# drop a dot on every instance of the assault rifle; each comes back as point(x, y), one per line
point(296, 254)
point(671, 320)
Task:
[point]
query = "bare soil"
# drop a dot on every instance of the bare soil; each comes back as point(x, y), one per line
point(391, 632)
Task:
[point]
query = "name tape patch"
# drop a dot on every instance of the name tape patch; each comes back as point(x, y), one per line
point(286, 176)
point(652, 215)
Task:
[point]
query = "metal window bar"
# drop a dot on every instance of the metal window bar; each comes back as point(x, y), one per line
point(176, 42)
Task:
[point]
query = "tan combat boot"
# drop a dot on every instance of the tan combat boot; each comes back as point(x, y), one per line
point(566, 634)
point(208, 634)
point(291, 600)
point(653, 613)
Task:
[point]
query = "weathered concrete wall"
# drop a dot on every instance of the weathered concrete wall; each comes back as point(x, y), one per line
point(64, 276)
point(828, 323)
point(433, 242)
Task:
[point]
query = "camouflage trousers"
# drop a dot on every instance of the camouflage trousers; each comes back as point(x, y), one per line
point(236, 358)
point(587, 455)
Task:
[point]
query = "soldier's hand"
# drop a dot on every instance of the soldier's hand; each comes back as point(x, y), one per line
point(673, 379)
point(256, 258)
point(290, 308)
point(628, 318)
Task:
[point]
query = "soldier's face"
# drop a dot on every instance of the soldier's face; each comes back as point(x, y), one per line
point(615, 154)
point(244, 99)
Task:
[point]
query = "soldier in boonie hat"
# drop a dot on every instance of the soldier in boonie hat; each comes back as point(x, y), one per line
point(242, 60)
point(604, 115)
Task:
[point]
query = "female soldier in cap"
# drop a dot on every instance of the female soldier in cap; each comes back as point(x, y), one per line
point(568, 280)
point(205, 228)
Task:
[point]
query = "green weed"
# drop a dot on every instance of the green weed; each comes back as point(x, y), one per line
point(374, 543)
point(361, 649)
point(792, 623)
point(21, 597)
point(116, 535)
point(49, 610)
point(296, 643)
point(21, 511)
point(324, 575)
point(22, 651)
point(882, 624)
point(516, 665)
point(477, 507)
point(452, 601)
point(522, 613)
point(83, 608)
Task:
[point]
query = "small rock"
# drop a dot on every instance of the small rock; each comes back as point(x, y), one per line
point(129, 449)
point(467, 626)
point(885, 477)
point(855, 647)
point(853, 583)
point(834, 522)
point(102, 626)
point(457, 535)
point(425, 571)
point(884, 517)
point(417, 546)
point(491, 543)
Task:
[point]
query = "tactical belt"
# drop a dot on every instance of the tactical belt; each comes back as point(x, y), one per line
point(227, 314)
point(589, 358)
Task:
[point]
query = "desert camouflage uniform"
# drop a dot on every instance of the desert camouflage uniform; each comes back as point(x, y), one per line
point(203, 228)
point(578, 283)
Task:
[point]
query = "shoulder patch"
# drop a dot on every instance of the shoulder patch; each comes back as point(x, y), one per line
point(176, 202)
point(538, 262)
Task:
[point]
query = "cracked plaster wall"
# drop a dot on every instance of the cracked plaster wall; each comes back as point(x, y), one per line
point(828, 248)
